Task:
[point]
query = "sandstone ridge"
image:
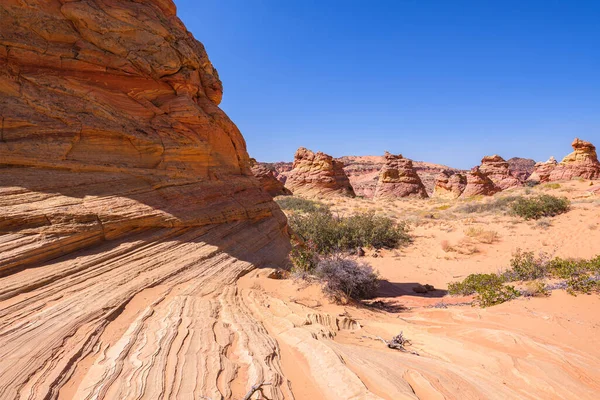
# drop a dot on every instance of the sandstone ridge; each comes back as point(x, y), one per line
point(581, 163)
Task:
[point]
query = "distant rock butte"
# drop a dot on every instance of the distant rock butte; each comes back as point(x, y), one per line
point(479, 184)
point(581, 163)
point(127, 210)
point(398, 178)
point(317, 175)
point(521, 168)
point(449, 185)
point(363, 172)
point(267, 179)
point(498, 170)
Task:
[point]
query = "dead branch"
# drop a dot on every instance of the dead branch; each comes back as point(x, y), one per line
point(254, 389)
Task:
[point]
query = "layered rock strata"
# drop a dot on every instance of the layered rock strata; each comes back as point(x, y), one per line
point(317, 175)
point(449, 186)
point(398, 179)
point(478, 184)
point(581, 163)
point(127, 211)
point(498, 170)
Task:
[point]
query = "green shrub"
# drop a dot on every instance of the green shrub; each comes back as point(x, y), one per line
point(526, 266)
point(582, 284)
point(299, 204)
point(474, 283)
point(551, 186)
point(496, 294)
point(540, 206)
point(331, 233)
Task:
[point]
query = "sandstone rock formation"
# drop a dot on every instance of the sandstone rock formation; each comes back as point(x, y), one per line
point(497, 169)
point(363, 172)
point(267, 179)
point(449, 186)
point(478, 184)
point(318, 174)
point(127, 211)
point(398, 178)
point(581, 163)
point(521, 168)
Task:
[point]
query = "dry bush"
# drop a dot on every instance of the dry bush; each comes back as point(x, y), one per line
point(482, 235)
point(466, 247)
point(446, 246)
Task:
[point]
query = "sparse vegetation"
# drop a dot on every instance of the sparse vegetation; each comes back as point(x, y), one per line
point(345, 278)
point(482, 235)
point(500, 204)
point(578, 276)
point(551, 186)
point(540, 206)
point(299, 204)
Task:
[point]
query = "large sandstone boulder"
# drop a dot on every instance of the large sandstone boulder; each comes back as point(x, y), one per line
point(398, 178)
point(127, 207)
point(521, 168)
point(317, 175)
point(478, 184)
point(581, 163)
point(267, 179)
point(449, 185)
point(497, 169)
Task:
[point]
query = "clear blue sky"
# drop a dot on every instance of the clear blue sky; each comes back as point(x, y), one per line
point(444, 81)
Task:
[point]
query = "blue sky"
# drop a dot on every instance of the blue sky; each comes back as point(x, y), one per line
point(439, 81)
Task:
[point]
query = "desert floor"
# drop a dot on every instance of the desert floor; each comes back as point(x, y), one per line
point(530, 348)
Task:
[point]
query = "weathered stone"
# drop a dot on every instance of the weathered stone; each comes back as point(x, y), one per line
point(478, 184)
point(267, 179)
point(317, 175)
point(449, 186)
point(398, 178)
point(497, 169)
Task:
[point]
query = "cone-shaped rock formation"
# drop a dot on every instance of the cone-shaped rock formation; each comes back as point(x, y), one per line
point(497, 169)
point(449, 186)
point(581, 163)
point(398, 178)
point(317, 175)
point(267, 179)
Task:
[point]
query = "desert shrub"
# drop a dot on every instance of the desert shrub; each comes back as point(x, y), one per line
point(535, 289)
point(526, 266)
point(474, 283)
point(299, 204)
point(304, 258)
point(540, 206)
point(446, 246)
point(582, 284)
point(499, 204)
point(496, 294)
point(330, 233)
point(345, 278)
point(482, 235)
point(532, 183)
point(551, 186)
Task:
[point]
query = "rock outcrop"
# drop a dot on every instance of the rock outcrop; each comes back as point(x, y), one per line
point(478, 184)
point(581, 163)
point(363, 172)
point(317, 175)
point(497, 169)
point(521, 168)
point(449, 185)
point(267, 179)
point(398, 178)
point(127, 210)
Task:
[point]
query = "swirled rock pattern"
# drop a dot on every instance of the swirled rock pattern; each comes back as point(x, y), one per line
point(127, 211)
point(398, 178)
point(317, 175)
point(497, 169)
point(478, 184)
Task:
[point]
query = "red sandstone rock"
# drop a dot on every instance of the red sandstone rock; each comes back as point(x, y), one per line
point(521, 168)
point(581, 163)
point(317, 174)
point(497, 169)
point(120, 175)
point(478, 184)
point(449, 185)
point(267, 179)
point(398, 178)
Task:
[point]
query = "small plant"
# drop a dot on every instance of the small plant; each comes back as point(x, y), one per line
point(536, 289)
point(474, 283)
point(582, 284)
point(496, 294)
point(482, 235)
point(345, 278)
point(500, 204)
point(299, 204)
point(551, 186)
point(446, 246)
point(526, 266)
point(540, 206)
